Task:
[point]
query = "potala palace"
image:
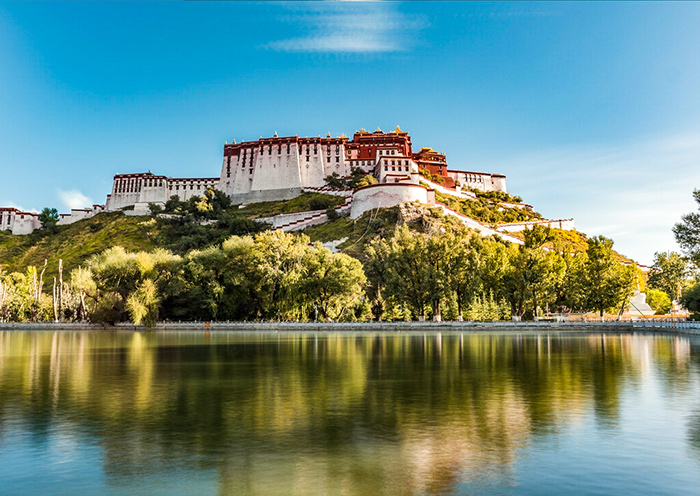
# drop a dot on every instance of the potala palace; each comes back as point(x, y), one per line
point(281, 168)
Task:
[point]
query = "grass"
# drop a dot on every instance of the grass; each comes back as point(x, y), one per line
point(330, 231)
point(301, 203)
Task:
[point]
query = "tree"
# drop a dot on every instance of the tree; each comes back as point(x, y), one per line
point(607, 283)
point(659, 301)
point(690, 299)
point(464, 270)
point(48, 218)
point(687, 232)
point(334, 181)
point(669, 273)
point(331, 283)
point(534, 273)
point(408, 277)
point(131, 284)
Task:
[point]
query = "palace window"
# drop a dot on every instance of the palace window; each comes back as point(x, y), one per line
point(386, 169)
point(337, 159)
point(307, 158)
point(279, 149)
point(287, 147)
point(250, 171)
point(328, 159)
point(269, 150)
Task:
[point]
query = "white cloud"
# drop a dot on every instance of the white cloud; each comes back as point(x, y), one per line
point(633, 193)
point(349, 28)
point(74, 199)
point(11, 204)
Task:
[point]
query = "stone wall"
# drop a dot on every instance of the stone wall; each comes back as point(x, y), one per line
point(565, 224)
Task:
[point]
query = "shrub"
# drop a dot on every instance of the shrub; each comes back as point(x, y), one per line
point(320, 203)
point(332, 214)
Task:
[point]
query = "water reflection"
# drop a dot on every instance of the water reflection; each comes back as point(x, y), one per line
point(313, 413)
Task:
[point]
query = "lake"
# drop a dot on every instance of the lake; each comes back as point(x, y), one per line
point(348, 413)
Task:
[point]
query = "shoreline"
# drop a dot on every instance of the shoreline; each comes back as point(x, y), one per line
point(692, 328)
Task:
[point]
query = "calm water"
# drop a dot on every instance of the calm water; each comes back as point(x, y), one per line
point(395, 413)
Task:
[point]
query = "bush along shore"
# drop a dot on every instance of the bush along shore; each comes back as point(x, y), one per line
point(412, 273)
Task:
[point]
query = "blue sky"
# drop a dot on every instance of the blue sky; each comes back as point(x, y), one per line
point(591, 109)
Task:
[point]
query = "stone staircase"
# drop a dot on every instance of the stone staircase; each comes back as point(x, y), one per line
point(312, 218)
point(328, 191)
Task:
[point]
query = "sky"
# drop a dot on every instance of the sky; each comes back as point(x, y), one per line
point(591, 109)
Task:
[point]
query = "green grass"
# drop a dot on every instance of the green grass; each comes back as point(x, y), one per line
point(301, 203)
point(486, 211)
point(330, 231)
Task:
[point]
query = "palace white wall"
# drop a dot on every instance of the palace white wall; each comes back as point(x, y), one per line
point(386, 195)
point(479, 180)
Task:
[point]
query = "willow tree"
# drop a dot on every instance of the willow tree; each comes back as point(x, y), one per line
point(131, 284)
point(331, 283)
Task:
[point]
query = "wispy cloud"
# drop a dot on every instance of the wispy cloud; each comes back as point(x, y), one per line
point(633, 193)
point(74, 199)
point(355, 27)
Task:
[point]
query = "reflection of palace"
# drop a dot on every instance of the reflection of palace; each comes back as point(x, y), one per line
point(406, 414)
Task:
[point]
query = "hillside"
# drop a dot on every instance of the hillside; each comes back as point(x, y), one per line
point(77, 242)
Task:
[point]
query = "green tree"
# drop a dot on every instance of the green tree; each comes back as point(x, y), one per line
point(334, 181)
point(659, 301)
point(121, 288)
point(534, 273)
point(690, 299)
point(669, 273)
point(407, 274)
point(48, 218)
point(687, 232)
point(331, 283)
point(606, 283)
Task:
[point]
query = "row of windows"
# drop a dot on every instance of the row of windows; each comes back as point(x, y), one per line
point(184, 186)
point(386, 169)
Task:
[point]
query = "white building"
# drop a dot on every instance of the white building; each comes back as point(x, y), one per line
point(18, 222)
point(278, 168)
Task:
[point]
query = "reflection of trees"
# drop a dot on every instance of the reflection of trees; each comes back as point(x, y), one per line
point(399, 413)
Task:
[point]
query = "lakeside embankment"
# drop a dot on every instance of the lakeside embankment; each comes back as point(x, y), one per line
point(690, 327)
